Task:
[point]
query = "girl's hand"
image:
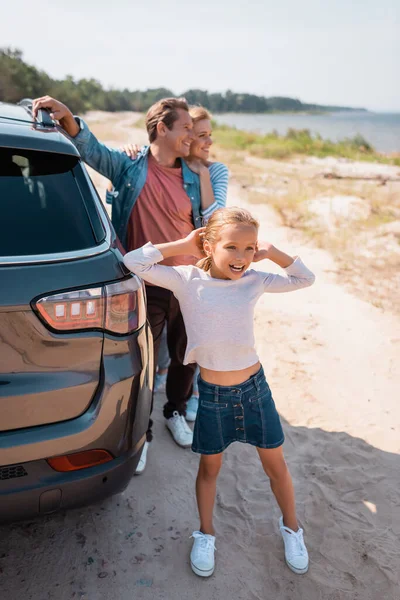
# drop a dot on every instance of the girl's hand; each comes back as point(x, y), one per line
point(131, 150)
point(194, 243)
point(263, 251)
point(196, 165)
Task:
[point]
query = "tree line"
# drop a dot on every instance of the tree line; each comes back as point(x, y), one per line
point(18, 80)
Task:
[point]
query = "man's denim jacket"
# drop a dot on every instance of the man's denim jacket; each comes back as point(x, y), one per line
point(128, 177)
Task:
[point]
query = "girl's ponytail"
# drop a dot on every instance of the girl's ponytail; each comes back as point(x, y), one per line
point(204, 263)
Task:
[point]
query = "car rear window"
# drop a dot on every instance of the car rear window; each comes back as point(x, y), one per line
point(46, 204)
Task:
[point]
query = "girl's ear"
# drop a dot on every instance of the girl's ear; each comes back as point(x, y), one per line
point(207, 247)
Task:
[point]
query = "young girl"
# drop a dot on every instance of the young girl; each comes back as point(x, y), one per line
point(217, 298)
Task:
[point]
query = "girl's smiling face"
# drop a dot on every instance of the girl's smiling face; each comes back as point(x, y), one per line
point(233, 252)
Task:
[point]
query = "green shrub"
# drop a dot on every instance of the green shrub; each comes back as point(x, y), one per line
point(297, 142)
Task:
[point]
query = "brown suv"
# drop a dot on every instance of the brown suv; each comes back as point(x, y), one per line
point(75, 348)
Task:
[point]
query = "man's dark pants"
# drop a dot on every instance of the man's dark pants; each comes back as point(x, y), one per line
point(163, 307)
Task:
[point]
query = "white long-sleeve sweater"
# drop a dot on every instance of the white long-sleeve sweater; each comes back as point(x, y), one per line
point(218, 313)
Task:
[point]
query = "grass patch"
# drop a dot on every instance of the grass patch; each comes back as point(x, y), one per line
point(297, 142)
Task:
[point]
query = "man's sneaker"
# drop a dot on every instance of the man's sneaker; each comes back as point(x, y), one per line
point(180, 430)
point(160, 382)
point(202, 555)
point(191, 409)
point(143, 460)
point(296, 554)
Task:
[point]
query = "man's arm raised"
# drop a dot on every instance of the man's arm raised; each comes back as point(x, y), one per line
point(106, 161)
point(59, 112)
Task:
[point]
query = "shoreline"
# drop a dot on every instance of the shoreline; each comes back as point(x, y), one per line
point(305, 112)
point(380, 132)
point(303, 142)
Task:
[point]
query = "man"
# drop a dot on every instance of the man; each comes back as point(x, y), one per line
point(158, 199)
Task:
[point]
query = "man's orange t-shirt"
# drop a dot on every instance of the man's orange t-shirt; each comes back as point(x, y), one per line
point(162, 212)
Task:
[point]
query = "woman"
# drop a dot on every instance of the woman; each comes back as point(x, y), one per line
point(213, 175)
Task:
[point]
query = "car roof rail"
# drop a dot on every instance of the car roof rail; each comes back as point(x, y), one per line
point(43, 116)
point(26, 103)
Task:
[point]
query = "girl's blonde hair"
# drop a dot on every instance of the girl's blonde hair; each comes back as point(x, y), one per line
point(224, 216)
point(198, 113)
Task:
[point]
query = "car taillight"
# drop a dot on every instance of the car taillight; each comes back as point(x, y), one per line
point(79, 460)
point(118, 308)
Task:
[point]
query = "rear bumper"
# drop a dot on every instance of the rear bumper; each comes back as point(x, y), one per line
point(116, 421)
point(44, 491)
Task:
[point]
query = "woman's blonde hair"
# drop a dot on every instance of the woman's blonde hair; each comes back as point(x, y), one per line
point(224, 216)
point(198, 113)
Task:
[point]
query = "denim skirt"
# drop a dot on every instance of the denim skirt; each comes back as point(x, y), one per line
point(241, 413)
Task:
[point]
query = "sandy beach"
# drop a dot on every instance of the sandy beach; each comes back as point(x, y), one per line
point(332, 360)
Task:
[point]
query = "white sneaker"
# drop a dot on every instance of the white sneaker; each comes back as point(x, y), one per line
point(192, 407)
point(180, 430)
point(143, 460)
point(296, 554)
point(202, 555)
point(160, 382)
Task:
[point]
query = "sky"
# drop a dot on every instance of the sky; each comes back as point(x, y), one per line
point(342, 52)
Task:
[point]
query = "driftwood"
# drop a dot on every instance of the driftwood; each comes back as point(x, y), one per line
point(382, 179)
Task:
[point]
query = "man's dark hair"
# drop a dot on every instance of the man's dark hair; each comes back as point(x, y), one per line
point(164, 111)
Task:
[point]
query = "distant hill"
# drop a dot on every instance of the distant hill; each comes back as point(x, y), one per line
point(19, 80)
